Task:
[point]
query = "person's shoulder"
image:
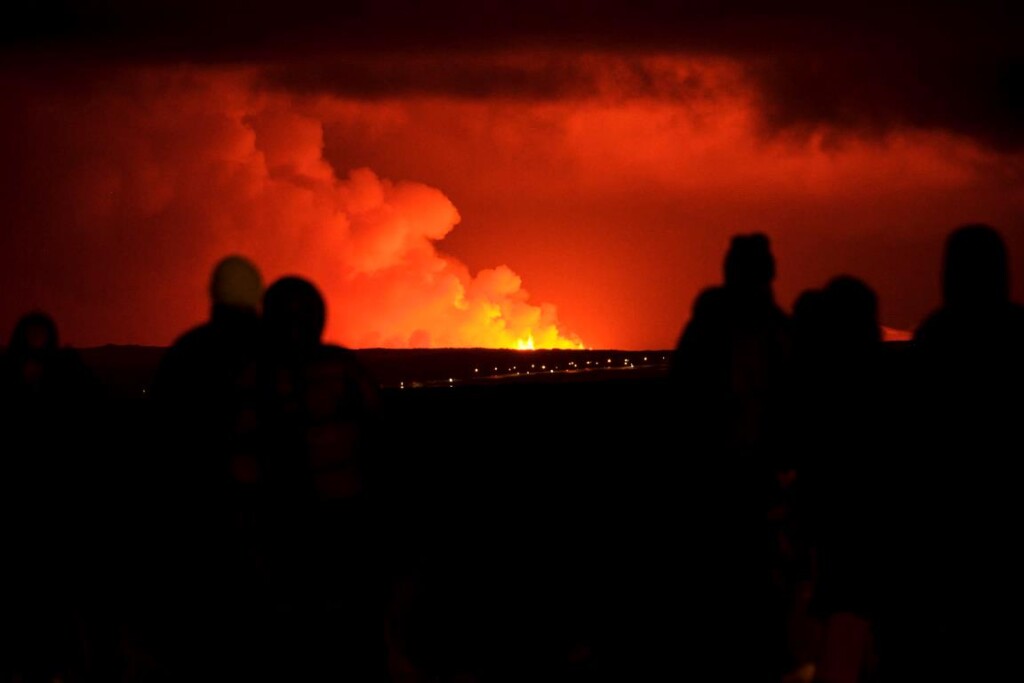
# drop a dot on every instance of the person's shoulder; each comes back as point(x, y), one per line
point(709, 311)
point(337, 353)
point(339, 357)
point(778, 315)
point(339, 362)
point(933, 327)
point(193, 338)
point(181, 357)
point(709, 300)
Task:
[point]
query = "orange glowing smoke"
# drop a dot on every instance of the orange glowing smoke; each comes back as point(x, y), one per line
point(615, 199)
point(371, 244)
point(171, 169)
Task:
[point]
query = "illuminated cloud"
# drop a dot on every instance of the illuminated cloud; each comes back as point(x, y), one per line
point(173, 168)
point(604, 154)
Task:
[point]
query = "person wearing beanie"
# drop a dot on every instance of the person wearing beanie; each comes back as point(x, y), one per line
point(195, 394)
point(200, 364)
point(236, 283)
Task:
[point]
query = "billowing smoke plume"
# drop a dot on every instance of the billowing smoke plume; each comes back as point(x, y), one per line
point(164, 172)
point(121, 186)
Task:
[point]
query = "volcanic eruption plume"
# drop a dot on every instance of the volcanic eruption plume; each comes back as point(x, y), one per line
point(171, 169)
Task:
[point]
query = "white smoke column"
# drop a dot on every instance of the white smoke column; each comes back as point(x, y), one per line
point(370, 243)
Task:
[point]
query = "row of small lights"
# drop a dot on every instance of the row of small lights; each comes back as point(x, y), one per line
point(573, 365)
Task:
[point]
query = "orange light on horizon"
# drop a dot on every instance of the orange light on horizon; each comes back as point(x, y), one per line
point(891, 334)
point(525, 344)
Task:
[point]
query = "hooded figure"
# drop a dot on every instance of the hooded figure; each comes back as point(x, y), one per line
point(728, 374)
point(36, 368)
point(843, 443)
point(976, 311)
point(729, 362)
point(955, 520)
point(308, 453)
point(46, 395)
point(970, 350)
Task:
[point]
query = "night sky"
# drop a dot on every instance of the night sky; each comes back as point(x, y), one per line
point(454, 175)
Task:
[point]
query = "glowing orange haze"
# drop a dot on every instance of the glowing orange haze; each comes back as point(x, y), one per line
point(616, 208)
point(188, 169)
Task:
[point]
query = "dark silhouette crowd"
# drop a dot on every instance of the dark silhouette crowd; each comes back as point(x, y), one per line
point(845, 510)
point(245, 547)
point(871, 480)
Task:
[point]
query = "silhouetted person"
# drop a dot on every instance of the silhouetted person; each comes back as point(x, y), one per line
point(729, 362)
point(200, 368)
point(728, 372)
point(45, 395)
point(194, 392)
point(37, 371)
point(842, 434)
point(975, 336)
point(809, 326)
point(956, 596)
point(305, 455)
point(197, 564)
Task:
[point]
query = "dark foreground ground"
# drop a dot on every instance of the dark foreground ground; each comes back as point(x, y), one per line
point(541, 516)
point(529, 525)
point(543, 503)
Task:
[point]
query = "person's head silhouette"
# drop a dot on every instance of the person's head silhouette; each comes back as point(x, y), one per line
point(236, 284)
point(294, 314)
point(34, 334)
point(976, 272)
point(749, 263)
point(852, 309)
point(34, 352)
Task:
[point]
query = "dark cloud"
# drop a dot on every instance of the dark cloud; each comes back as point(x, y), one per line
point(953, 72)
point(522, 76)
point(862, 67)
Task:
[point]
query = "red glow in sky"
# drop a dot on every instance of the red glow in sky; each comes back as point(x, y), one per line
point(588, 206)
